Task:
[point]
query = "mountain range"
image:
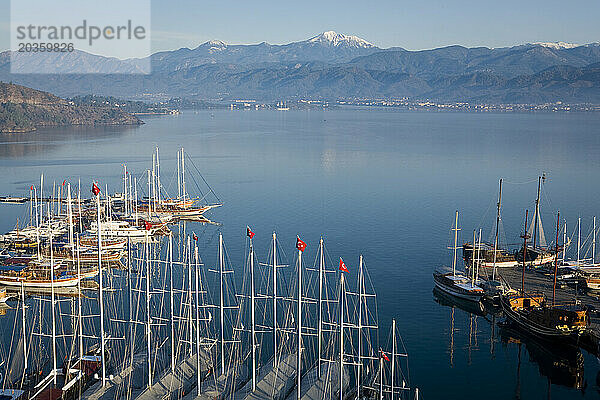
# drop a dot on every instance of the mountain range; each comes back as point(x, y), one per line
point(331, 66)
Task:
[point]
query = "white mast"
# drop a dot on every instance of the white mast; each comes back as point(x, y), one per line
point(341, 335)
point(473, 259)
point(252, 316)
point(221, 305)
point(393, 355)
point(79, 310)
point(148, 330)
point(136, 202)
point(189, 294)
point(198, 372)
point(299, 355)
point(54, 372)
point(320, 326)
point(130, 194)
point(154, 180)
point(578, 239)
point(79, 313)
point(178, 176)
point(100, 290)
point(171, 302)
point(360, 302)
point(594, 244)
point(274, 299)
point(38, 218)
point(478, 256)
point(183, 192)
point(564, 243)
point(70, 217)
point(157, 177)
point(125, 189)
point(380, 374)
point(149, 195)
point(455, 243)
point(497, 228)
point(23, 327)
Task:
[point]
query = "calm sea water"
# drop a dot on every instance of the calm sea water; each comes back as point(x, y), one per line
point(377, 182)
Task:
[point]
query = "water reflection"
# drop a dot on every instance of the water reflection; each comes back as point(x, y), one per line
point(18, 145)
point(561, 363)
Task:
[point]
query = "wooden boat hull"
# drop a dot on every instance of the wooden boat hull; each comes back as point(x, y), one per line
point(441, 282)
point(15, 281)
point(522, 319)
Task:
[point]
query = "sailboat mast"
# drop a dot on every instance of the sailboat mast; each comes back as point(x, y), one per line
point(393, 357)
point(578, 240)
point(556, 258)
point(172, 302)
point(183, 191)
point(252, 316)
point(125, 189)
point(100, 292)
point(189, 294)
point(341, 335)
point(274, 299)
point(148, 330)
point(320, 321)
point(149, 196)
point(198, 372)
point(524, 253)
point(221, 305)
point(473, 260)
point(380, 374)
point(537, 212)
point(360, 307)
point(299, 350)
point(594, 243)
point(178, 176)
point(478, 256)
point(136, 201)
point(456, 243)
point(53, 295)
point(564, 243)
point(157, 177)
point(23, 327)
point(70, 218)
point(497, 229)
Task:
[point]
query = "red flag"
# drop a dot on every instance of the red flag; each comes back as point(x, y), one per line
point(194, 236)
point(384, 356)
point(31, 188)
point(65, 181)
point(300, 245)
point(249, 232)
point(148, 225)
point(95, 189)
point(343, 266)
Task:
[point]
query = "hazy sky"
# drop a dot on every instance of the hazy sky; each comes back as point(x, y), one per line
point(409, 24)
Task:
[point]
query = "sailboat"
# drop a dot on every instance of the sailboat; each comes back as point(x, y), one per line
point(532, 312)
point(457, 283)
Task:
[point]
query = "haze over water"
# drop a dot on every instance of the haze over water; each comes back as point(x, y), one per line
point(379, 182)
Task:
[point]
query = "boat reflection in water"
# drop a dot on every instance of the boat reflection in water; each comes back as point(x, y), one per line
point(447, 300)
point(561, 363)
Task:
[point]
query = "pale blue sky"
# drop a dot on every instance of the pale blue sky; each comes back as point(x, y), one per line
point(409, 24)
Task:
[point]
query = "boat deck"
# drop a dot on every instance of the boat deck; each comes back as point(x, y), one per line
point(273, 383)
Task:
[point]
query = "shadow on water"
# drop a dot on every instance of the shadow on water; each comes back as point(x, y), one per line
point(17, 145)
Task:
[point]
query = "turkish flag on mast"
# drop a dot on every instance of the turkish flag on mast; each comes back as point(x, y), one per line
point(147, 225)
point(194, 236)
point(249, 232)
point(300, 245)
point(384, 356)
point(343, 266)
point(95, 189)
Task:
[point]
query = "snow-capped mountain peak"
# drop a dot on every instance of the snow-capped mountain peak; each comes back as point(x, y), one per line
point(335, 39)
point(557, 45)
point(214, 45)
